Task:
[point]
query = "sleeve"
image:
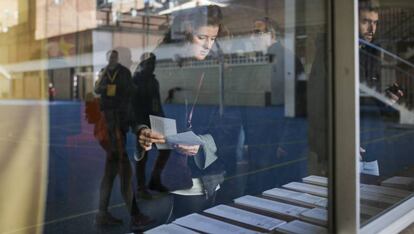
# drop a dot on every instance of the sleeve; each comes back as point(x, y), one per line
point(207, 153)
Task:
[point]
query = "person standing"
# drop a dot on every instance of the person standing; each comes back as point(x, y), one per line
point(115, 88)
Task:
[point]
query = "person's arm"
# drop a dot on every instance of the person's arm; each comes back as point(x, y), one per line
point(100, 84)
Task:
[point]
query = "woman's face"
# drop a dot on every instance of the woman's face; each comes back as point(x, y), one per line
point(202, 41)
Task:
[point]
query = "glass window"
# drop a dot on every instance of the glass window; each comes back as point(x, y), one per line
point(386, 102)
point(127, 115)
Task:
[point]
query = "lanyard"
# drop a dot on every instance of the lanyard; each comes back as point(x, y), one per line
point(112, 78)
point(190, 115)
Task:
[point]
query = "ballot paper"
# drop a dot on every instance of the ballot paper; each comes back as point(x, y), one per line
point(316, 215)
point(270, 206)
point(185, 138)
point(168, 128)
point(368, 211)
point(209, 225)
point(246, 217)
point(399, 182)
point(377, 199)
point(297, 197)
point(299, 227)
point(170, 229)
point(385, 190)
point(316, 180)
point(307, 188)
point(165, 126)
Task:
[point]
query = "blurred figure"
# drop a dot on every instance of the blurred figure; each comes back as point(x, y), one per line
point(52, 92)
point(115, 88)
point(171, 94)
point(370, 73)
point(146, 101)
point(192, 174)
point(370, 60)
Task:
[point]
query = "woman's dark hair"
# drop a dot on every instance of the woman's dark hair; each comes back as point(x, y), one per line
point(187, 21)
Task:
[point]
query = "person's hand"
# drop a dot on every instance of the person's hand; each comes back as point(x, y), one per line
point(395, 93)
point(146, 138)
point(189, 150)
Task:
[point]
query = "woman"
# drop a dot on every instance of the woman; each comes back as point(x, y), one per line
point(191, 173)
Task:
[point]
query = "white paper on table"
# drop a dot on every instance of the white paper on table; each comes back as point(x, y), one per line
point(246, 217)
point(271, 206)
point(210, 225)
point(307, 188)
point(316, 180)
point(300, 227)
point(296, 197)
point(170, 229)
point(185, 138)
point(165, 126)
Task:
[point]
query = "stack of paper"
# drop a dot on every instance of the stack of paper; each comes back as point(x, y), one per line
point(399, 182)
point(368, 211)
point(168, 128)
point(246, 217)
point(316, 215)
point(297, 197)
point(307, 188)
point(299, 227)
point(270, 206)
point(209, 225)
point(170, 229)
point(377, 199)
point(316, 180)
point(385, 190)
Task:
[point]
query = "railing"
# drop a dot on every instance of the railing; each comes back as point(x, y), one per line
point(248, 59)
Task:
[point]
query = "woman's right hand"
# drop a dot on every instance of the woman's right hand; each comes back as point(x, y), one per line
point(146, 138)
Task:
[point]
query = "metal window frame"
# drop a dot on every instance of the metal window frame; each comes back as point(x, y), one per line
point(344, 173)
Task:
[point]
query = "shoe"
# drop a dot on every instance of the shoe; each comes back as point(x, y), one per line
point(156, 185)
point(139, 222)
point(106, 219)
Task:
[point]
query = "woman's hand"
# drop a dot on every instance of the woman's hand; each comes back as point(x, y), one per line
point(147, 137)
point(189, 150)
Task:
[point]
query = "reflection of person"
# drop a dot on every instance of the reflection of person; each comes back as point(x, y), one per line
point(193, 187)
point(146, 101)
point(370, 61)
point(279, 56)
point(370, 71)
point(52, 92)
point(171, 94)
point(114, 87)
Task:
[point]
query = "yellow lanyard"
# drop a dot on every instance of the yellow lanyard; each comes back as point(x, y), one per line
point(112, 78)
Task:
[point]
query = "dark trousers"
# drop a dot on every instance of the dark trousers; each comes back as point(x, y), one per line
point(117, 161)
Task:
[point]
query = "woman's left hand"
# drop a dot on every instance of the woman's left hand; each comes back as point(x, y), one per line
point(189, 150)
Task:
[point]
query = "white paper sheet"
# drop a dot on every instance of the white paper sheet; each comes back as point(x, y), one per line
point(271, 206)
point(210, 225)
point(296, 197)
point(299, 227)
point(246, 217)
point(185, 138)
point(170, 229)
point(307, 188)
point(165, 126)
